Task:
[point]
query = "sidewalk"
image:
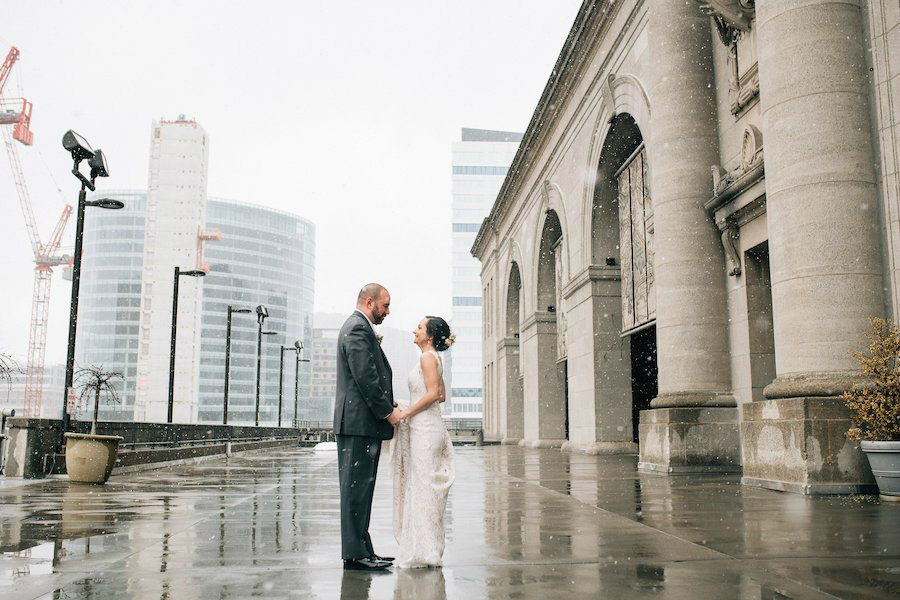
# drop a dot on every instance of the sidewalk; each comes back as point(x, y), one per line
point(521, 523)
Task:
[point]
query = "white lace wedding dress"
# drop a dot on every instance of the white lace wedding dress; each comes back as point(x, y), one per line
point(423, 472)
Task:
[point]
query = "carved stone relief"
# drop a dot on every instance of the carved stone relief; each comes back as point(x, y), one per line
point(729, 236)
point(733, 20)
point(751, 158)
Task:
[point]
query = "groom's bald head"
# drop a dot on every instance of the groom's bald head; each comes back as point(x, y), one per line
point(375, 301)
point(370, 290)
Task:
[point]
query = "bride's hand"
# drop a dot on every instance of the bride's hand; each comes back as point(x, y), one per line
point(404, 415)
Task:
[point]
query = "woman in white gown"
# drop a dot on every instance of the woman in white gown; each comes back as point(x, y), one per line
point(423, 455)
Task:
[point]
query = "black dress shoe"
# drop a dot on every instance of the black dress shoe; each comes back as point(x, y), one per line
point(366, 564)
point(384, 558)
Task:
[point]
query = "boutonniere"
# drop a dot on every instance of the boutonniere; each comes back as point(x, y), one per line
point(379, 337)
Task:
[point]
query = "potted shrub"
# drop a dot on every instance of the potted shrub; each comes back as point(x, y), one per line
point(876, 407)
point(90, 457)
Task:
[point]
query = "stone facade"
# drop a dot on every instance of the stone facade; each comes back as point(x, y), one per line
point(701, 219)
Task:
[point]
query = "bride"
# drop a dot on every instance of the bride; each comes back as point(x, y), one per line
point(423, 457)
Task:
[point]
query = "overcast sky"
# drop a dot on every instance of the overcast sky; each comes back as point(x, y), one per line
point(341, 112)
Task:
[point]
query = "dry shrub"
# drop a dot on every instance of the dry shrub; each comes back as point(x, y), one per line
point(876, 405)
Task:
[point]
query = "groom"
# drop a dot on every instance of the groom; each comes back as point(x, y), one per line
point(364, 414)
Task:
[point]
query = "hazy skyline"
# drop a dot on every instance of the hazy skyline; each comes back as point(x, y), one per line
point(343, 114)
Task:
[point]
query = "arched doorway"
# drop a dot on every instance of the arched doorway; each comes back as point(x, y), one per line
point(622, 236)
point(546, 411)
point(514, 409)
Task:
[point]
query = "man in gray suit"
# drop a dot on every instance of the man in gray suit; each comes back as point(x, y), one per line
point(364, 414)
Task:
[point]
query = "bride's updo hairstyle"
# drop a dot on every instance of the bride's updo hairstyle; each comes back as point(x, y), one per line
point(439, 332)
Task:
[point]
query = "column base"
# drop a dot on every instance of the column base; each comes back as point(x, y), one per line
point(690, 440)
point(549, 443)
point(799, 445)
point(510, 441)
point(601, 448)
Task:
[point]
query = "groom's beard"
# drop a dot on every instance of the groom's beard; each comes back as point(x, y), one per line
point(377, 318)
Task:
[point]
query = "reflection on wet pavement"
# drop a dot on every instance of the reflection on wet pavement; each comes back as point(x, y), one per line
point(521, 523)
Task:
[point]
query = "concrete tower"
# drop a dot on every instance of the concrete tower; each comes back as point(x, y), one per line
point(176, 213)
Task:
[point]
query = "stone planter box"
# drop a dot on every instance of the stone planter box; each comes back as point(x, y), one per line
point(884, 458)
point(91, 458)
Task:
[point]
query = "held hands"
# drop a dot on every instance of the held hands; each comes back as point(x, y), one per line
point(397, 416)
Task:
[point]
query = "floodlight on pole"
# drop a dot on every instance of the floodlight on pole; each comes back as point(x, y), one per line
point(80, 149)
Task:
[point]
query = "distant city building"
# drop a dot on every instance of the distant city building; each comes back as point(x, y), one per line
point(110, 295)
point(323, 357)
point(265, 257)
point(480, 162)
point(13, 395)
point(175, 216)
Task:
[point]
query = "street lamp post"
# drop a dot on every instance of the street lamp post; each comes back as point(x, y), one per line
point(298, 346)
point(281, 380)
point(178, 273)
point(80, 150)
point(231, 310)
point(261, 314)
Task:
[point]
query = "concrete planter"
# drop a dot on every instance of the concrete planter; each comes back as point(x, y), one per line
point(884, 458)
point(90, 458)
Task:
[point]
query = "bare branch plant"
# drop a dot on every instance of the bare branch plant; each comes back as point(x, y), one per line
point(92, 382)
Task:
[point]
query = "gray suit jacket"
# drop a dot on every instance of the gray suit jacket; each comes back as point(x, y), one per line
point(365, 396)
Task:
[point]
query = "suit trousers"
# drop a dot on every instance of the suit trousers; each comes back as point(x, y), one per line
point(357, 468)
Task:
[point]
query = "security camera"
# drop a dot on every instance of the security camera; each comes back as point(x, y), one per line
point(77, 146)
point(261, 313)
point(298, 345)
point(98, 164)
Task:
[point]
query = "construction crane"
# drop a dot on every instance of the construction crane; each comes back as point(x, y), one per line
point(17, 113)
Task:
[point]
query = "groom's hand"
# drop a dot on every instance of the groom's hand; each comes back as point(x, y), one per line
point(394, 417)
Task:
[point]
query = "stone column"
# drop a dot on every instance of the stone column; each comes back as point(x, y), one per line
point(599, 365)
point(544, 392)
point(823, 240)
point(509, 388)
point(695, 424)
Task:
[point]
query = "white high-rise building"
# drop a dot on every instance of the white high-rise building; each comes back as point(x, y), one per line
point(175, 217)
point(480, 162)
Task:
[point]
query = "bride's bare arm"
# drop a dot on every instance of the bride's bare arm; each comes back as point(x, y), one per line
point(433, 385)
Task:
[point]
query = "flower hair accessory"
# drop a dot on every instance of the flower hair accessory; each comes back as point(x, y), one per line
point(451, 339)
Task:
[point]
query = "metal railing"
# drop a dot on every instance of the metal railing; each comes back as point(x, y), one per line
point(194, 442)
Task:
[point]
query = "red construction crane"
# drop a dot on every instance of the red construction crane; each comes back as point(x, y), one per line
point(17, 112)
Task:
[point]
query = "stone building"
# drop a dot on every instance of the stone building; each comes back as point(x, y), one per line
point(699, 222)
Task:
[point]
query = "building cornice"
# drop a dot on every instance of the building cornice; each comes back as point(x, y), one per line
point(590, 27)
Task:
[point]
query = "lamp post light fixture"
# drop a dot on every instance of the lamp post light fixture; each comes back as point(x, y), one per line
point(262, 314)
point(80, 150)
point(178, 273)
point(231, 311)
point(298, 346)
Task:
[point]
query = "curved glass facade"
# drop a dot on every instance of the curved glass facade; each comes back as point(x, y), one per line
point(265, 257)
point(110, 295)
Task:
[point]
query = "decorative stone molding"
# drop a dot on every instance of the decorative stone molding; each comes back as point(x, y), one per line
point(728, 184)
point(732, 14)
point(591, 275)
point(732, 19)
point(744, 89)
point(729, 236)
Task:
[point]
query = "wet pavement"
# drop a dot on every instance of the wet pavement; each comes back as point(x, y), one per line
point(520, 524)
